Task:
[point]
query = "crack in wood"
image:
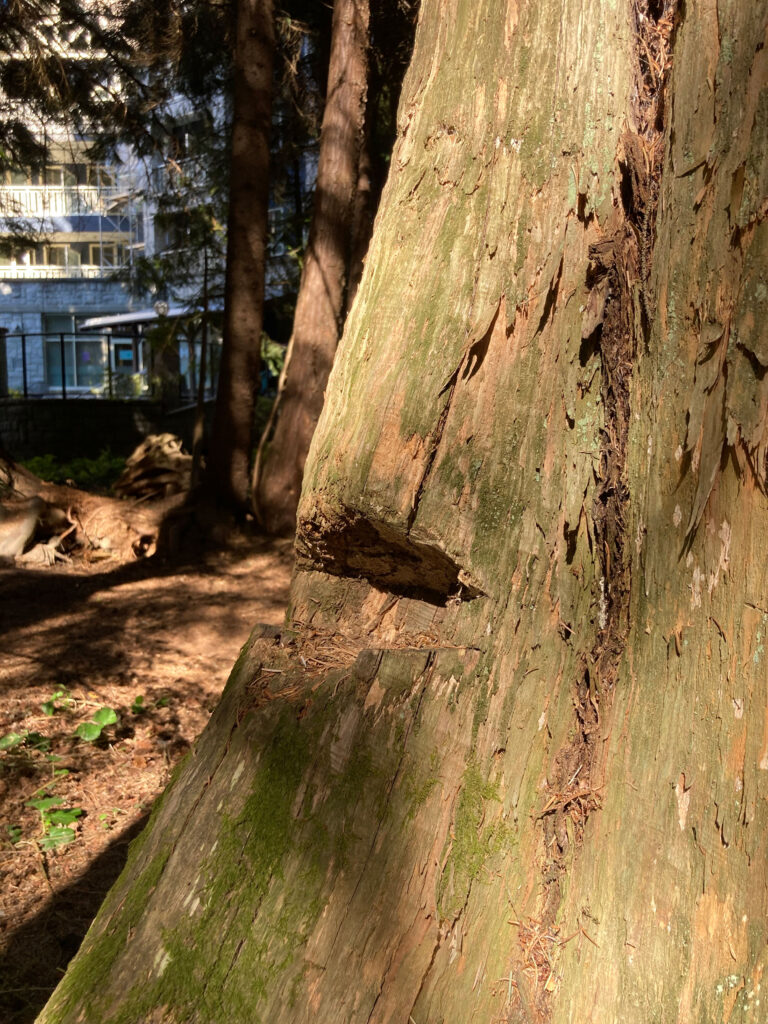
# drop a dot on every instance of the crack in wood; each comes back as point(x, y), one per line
point(348, 544)
point(619, 264)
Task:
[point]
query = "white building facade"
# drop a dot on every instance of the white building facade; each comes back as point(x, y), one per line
point(80, 227)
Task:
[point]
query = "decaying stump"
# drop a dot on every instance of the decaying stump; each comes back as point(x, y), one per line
point(28, 520)
point(97, 527)
point(158, 468)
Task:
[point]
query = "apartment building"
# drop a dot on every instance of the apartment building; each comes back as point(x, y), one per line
point(80, 226)
point(79, 230)
point(71, 229)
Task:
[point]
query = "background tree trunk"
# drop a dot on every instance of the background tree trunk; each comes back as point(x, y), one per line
point(321, 303)
point(510, 762)
point(232, 430)
point(367, 197)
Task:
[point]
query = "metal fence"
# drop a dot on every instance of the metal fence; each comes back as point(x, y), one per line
point(66, 364)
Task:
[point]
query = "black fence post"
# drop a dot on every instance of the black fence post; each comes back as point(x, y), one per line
point(24, 364)
point(63, 367)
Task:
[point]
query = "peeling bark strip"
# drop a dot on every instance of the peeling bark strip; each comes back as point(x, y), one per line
point(619, 269)
point(618, 272)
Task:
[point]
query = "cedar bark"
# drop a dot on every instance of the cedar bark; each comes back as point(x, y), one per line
point(510, 761)
point(322, 299)
point(227, 476)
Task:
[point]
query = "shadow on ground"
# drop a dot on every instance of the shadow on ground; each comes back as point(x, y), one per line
point(154, 641)
point(53, 621)
point(38, 952)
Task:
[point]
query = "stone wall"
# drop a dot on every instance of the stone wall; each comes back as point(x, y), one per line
point(86, 426)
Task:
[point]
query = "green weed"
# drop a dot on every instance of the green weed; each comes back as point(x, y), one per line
point(56, 821)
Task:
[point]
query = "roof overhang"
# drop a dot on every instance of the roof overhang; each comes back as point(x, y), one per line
point(134, 319)
point(138, 318)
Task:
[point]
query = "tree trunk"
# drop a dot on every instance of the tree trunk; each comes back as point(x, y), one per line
point(321, 303)
point(232, 430)
point(363, 212)
point(510, 761)
point(198, 436)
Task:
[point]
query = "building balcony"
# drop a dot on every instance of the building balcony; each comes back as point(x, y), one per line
point(37, 272)
point(30, 201)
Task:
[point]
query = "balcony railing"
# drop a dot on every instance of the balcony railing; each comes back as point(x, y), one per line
point(50, 201)
point(40, 271)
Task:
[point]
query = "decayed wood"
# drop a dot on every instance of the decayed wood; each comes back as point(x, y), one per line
point(510, 761)
point(157, 468)
point(104, 527)
point(23, 521)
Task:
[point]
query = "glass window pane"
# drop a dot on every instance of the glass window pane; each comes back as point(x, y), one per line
point(91, 363)
point(58, 322)
point(123, 356)
point(62, 256)
point(53, 363)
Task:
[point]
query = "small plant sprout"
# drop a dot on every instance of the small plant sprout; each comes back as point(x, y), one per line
point(51, 706)
point(37, 741)
point(108, 820)
point(90, 731)
point(56, 821)
point(138, 707)
point(32, 740)
point(11, 740)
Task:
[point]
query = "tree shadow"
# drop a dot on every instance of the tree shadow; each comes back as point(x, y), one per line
point(146, 628)
point(29, 596)
point(37, 953)
point(99, 623)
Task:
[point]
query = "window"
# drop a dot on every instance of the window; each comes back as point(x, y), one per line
point(65, 256)
point(60, 176)
point(107, 254)
point(18, 258)
point(186, 139)
point(53, 323)
point(172, 230)
point(99, 176)
point(16, 177)
point(123, 357)
point(85, 359)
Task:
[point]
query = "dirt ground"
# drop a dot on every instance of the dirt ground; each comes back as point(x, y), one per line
point(152, 641)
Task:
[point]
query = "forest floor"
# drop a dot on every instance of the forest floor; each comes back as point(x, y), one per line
point(151, 642)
